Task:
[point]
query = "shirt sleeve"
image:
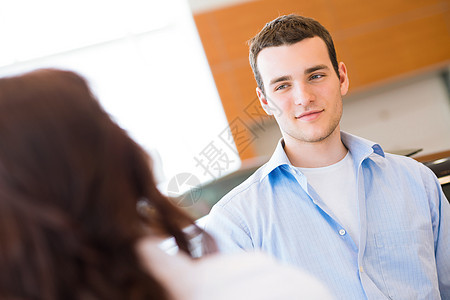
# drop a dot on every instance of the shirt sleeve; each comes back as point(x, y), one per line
point(441, 229)
point(443, 248)
point(228, 231)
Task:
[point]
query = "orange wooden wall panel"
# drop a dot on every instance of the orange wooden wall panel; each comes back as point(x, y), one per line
point(354, 14)
point(379, 54)
point(377, 40)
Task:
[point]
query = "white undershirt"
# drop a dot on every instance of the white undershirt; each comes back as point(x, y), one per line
point(336, 186)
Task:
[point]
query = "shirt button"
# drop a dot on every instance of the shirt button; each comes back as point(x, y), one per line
point(342, 232)
point(361, 269)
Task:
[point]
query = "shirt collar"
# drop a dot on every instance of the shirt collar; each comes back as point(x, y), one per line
point(279, 158)
point(359, 147)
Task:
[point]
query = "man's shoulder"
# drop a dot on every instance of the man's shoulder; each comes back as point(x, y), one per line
point(404, 160)
point(246, 190)
point(408, 166)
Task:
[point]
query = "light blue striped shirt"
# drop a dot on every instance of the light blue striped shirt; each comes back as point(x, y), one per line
point(404, 217)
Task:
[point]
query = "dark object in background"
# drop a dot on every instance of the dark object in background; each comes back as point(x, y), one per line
point(441, 167)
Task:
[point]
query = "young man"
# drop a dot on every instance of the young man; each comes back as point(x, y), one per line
point(367, 223)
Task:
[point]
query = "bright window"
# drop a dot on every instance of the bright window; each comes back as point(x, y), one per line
point(145, 63)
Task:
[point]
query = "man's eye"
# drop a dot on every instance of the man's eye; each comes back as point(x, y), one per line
point(281, 87)
point(317, 76)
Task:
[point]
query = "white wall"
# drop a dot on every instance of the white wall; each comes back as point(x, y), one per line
point(408, 114)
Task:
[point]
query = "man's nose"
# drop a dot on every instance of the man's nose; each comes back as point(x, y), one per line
point(303, 94)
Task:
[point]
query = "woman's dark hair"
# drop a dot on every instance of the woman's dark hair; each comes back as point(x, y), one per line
point(70, 180)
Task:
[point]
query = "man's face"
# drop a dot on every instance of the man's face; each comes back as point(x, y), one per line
point(299, 80)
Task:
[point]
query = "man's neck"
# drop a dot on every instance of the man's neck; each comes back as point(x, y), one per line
point(315, 155)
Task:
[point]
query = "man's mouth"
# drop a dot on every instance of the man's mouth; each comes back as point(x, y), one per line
point(309, 115)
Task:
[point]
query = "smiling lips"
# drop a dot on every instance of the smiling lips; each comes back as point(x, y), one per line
point(309, 115)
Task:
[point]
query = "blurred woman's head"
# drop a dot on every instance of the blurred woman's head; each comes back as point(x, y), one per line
point(70, 179)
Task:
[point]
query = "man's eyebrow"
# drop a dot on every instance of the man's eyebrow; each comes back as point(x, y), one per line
point(315, 68)
point(278, 79)
point(307, 71)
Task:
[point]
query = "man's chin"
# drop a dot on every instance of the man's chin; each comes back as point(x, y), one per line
point(311, 137)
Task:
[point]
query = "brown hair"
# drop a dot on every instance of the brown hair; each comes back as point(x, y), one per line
point(70, 180)
point(288, 30)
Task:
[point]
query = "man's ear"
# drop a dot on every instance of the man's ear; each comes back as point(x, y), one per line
point(263, 100)
point(344, 82)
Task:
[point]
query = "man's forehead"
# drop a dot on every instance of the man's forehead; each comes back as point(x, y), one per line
point(300, 56)
point(304, 45)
